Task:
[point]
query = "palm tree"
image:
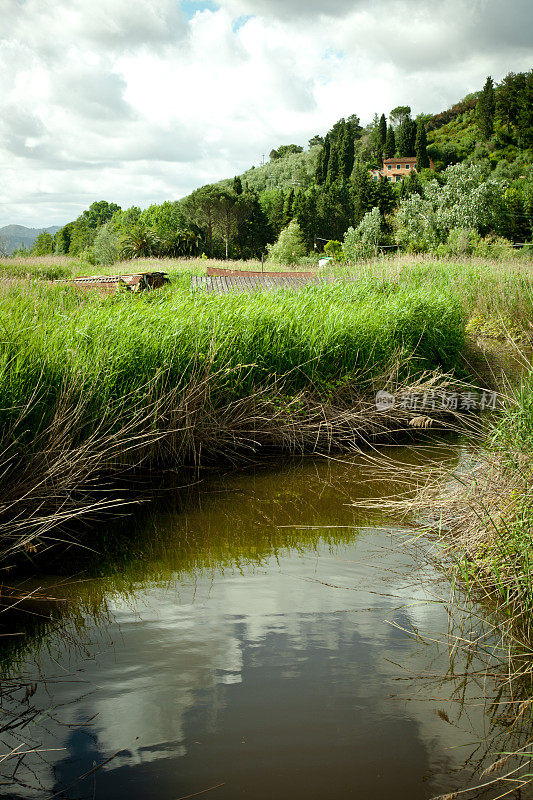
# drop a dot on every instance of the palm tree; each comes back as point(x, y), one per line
point(140, 242)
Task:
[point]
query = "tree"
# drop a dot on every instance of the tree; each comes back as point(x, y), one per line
point(289, 149)
point(422, 159)
point(272, 202)
point(305, 207)
point(140, 243)
point(390, 143)
point(376, 145)
point(346, 153)
point(515, 223)
point(274, 155)
point(363, 241)
point(411, 185)
point(405, 137)
point(508, 98)
point(333, 164)
point(290, 246)
point(524, 122)
point(81, 237)
point(398, 114)
point(354, 122)
point(253, 230)
point(334, 211)
point(469, 199)
point(226, 214)
point(288, 208)
point(322, 162)
point(315, 141)
point(363, 192)
point(98, 213)
point(200, 208)
point(164, 219)
point(485, 109)
point(385, 197)
point(382, 130)
point(237, 185)
point(107, 244)
point(127, 219)
point(43, 245)
point(63, 238)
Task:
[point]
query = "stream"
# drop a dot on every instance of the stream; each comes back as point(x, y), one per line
point(260, 637)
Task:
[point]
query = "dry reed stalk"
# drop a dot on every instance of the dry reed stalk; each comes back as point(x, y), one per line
point(68, 476)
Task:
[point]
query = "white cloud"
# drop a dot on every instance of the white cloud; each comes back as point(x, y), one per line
point(130, 102)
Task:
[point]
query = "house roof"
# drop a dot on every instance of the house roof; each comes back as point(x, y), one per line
point(401, 160)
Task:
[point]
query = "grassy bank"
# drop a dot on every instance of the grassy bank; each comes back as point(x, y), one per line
point(496, 537)
point(92, 387)
point(490, 290)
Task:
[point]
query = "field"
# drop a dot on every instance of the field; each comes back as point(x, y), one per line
point(93, 387)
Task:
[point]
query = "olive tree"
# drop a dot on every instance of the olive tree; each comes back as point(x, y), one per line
point(363, 241)
point(290, 246)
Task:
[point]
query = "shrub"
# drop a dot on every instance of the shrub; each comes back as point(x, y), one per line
point(107, 245)
point(290, 246)
point(494, 247)
point(470, 199)
point(333, 248)
point(363, 241)
point(462, 241)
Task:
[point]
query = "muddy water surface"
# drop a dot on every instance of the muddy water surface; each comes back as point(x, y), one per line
point(265, 639)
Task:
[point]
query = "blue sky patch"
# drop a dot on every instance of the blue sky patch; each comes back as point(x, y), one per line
point(190, 7)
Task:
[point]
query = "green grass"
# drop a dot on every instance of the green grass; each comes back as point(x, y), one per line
point(92, 384)
point(52, 336)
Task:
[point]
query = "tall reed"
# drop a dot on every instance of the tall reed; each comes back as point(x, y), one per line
point(92, 386)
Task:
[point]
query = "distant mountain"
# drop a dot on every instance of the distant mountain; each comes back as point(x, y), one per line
point(13, 236)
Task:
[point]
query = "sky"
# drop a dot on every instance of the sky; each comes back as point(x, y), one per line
point(141, 101)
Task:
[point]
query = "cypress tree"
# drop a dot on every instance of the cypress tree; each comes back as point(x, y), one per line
point(363, 193)
point(485, 109)
point(421, 141)
point(334, 212)
point(237, 185)
point(306, 216)
point(383, 130)
point(405, 139)
point(410, 185)
point(347, 154)
point(385, 196)
point(322, 162)
point(390, 143)
point(259, 231)
point(525, 113)
point(333, 164)
point(288, 208)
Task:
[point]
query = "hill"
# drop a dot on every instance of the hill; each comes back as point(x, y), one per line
point(295, 170)
point(13, 236)
point(484, 141)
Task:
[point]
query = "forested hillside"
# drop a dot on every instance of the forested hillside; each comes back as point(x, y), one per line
point(479, 194)
point(16, 236)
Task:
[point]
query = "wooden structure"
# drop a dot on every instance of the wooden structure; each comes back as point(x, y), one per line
point(254, 281)
point(237, 273)
point(109, 284)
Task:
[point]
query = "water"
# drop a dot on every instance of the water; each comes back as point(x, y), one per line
point(243, 647)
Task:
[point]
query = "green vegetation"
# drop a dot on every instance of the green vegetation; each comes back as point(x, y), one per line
point(328, 188)
point(53, 336)
point(290, 246)
point(489, 523)
point(93, 386)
